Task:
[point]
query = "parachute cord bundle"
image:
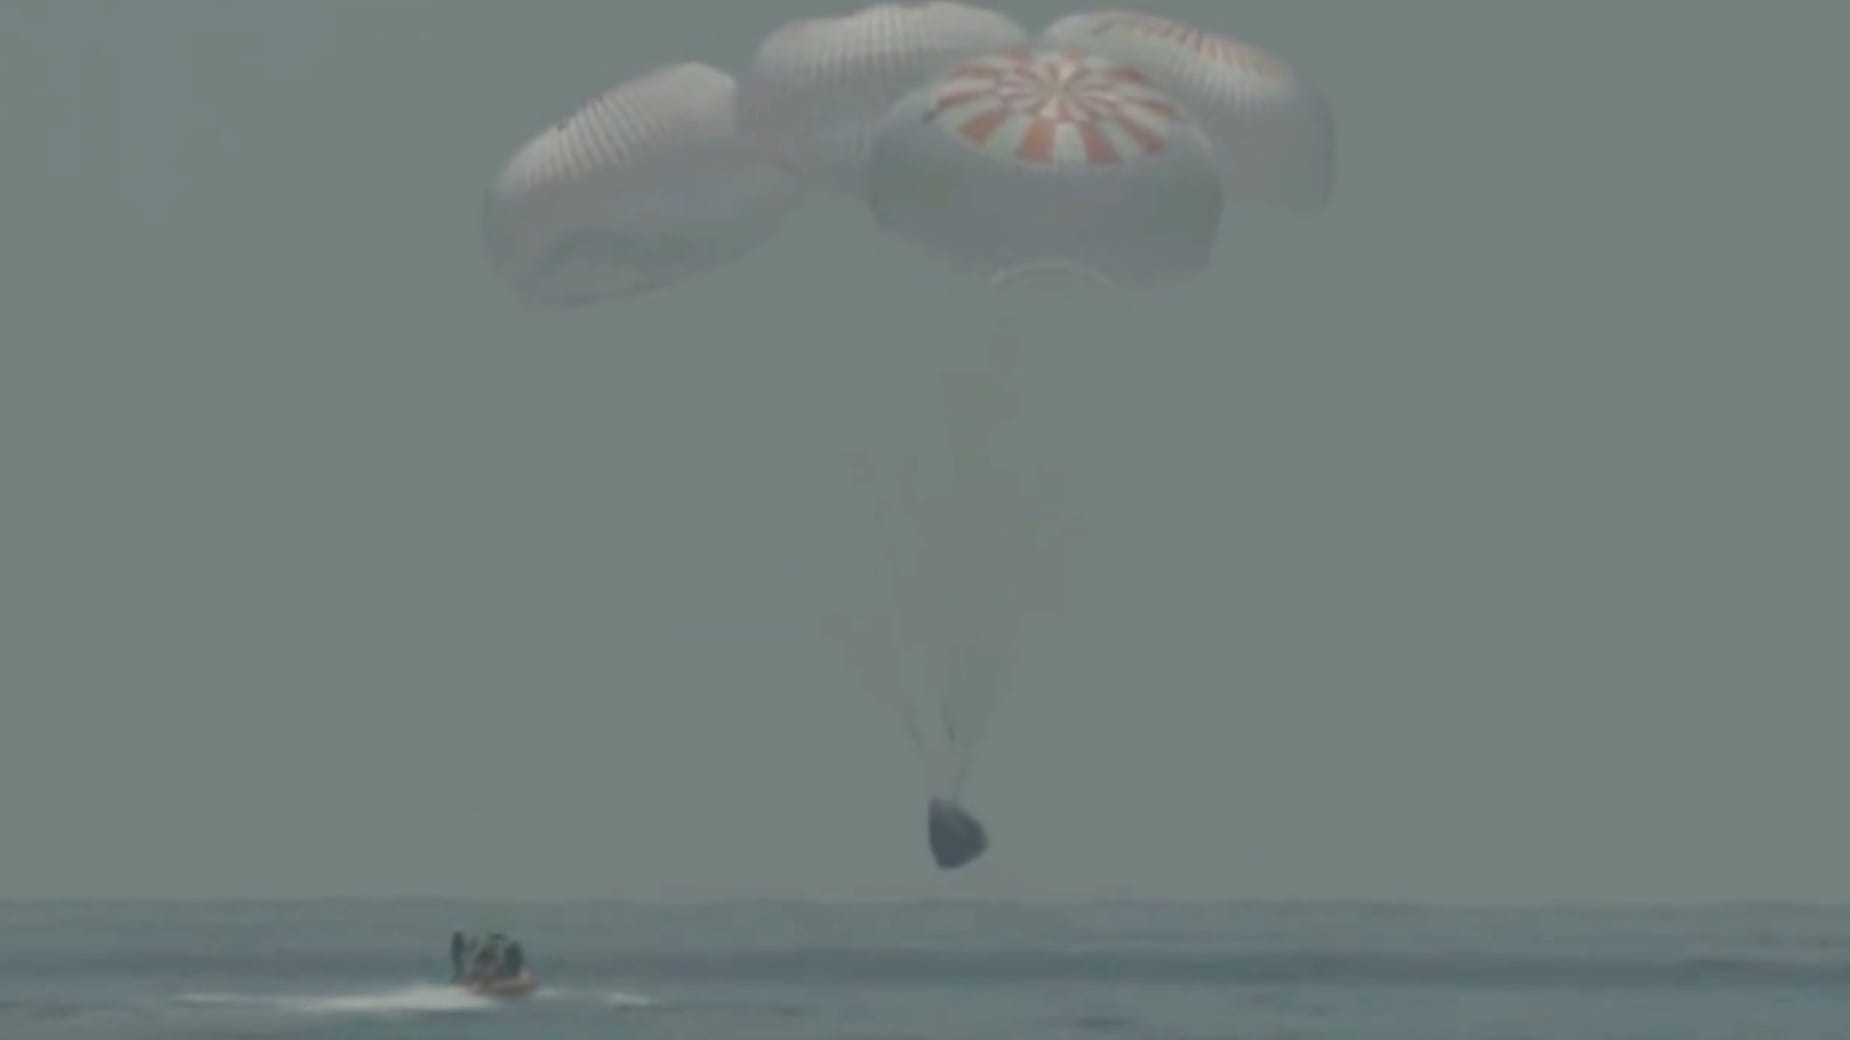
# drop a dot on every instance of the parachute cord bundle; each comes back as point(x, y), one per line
point(968, 548)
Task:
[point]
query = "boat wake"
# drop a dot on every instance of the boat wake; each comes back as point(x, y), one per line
point(423, 999)
point(611, 998)
point(419, 999)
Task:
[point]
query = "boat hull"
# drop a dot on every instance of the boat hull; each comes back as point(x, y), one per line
point(519, 986)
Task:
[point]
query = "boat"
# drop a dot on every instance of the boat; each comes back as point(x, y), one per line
point(491, 967)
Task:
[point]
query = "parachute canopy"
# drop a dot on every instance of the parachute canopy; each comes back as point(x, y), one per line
point(1273, 132)
point(645, 186)
point(956, 837)
point(817, 86)
point(1024, 159)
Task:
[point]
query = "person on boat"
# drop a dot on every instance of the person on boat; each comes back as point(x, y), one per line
point(459, 945)
point(487, 957)
point(513, 961)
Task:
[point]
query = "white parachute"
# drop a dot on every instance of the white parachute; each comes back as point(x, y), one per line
point(817, 86)
point(644, 186)
point(1272, 129)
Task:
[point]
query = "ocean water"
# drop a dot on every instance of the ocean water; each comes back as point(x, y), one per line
point(359, 970)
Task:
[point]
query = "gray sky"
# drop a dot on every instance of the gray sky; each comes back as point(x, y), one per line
point(1481, 537)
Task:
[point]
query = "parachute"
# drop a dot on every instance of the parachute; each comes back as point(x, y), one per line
point(1273, 131)
point(643, 187)
point(817, 86)
point(1102, 152)
point(1023, 160)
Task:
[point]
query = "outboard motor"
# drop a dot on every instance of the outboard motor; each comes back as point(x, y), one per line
point(956, 836)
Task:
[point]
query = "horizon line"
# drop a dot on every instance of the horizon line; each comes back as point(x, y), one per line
point(690, 900)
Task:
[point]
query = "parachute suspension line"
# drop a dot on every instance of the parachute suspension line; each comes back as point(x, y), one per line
point(907, 718)
point(891, 679)
point(988, 665)
point(999, 664)
point(875, 658)
point(958, 778)
point(978, 648)
point(960, 769)
point(889, 549)
point(922, 618)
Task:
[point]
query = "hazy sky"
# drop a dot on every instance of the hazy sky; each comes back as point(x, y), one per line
point(1481, 537)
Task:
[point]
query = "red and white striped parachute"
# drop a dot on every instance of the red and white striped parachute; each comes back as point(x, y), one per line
point(1273, 131)
point(817, 86)
point(1031, 159)
point(644, 186)
point(1010, 164)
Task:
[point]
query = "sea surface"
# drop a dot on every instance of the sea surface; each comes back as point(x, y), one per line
point(361, 970)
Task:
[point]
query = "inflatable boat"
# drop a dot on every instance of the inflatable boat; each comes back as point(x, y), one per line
point(520, 985)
